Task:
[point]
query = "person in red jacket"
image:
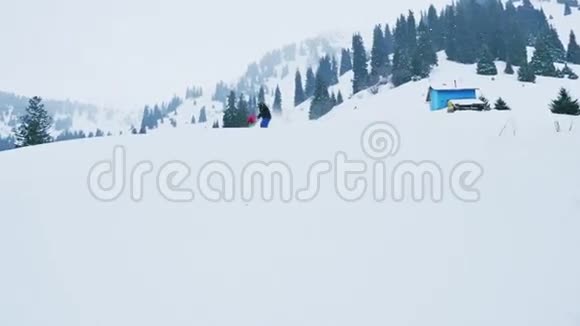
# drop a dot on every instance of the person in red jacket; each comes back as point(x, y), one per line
point(252, 120)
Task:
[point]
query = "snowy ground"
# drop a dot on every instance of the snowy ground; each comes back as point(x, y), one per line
point(509, 258)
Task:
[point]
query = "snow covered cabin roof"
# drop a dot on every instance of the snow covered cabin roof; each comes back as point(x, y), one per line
point(467, 102)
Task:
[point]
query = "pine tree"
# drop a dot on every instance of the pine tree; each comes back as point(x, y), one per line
point(145, 121)
point(573, 55)
point(526, 73)
point(411, 40)
point(494, 29)
point(532, 21)
point(262, 95)
point(252, 105)
point(467, 42)
point(567, 9)
point(321, 103)
point(277, 105)
point(566, 70)
point(501, 105)
point(193, 121)
point(426, 46)
point(230, 112)
point(542, 62)
point(389, 42)
point(235, 115)
point(156, 117)
point(379, 56)
point(34, 126)
point(299, 96)
point(339, 98)
point(555, 46)
point(435, 28)
point(486, 66)
point(424, 57)
point(334, 71)
point(361, 77)
point(402, 67)
point(6, 143)
point(450, 32)
point(202, 116)
point(345, 62)
point(242, 111)
point(565, 105)
point(310, 86)
point(404, 54)
point(514, 37)
point(509, 69)
point(327, 71)
point(221, 92)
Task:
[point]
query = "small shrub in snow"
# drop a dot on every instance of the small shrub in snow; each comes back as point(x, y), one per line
point(501, 105)
point(564, 104)
point(566, 70)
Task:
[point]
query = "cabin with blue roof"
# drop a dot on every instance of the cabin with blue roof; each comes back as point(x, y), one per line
point(440, 97)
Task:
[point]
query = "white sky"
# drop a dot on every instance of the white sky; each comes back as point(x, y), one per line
point(134, 52)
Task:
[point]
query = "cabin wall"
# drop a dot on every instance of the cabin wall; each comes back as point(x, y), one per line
point(440, 99)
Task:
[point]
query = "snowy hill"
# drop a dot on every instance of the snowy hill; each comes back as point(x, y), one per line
point(486, 233)
point(508, 259)
point(529, 102)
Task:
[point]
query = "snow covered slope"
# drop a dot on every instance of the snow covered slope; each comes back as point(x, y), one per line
point(508, 259)
point(508, 256)
point(530, 113)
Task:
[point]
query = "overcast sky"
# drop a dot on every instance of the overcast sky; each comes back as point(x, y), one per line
point(127, 53)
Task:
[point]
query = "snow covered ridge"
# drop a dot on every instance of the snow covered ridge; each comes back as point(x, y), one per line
point(383, 178)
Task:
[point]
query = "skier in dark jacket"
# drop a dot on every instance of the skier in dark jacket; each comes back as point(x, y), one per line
point(265, 115)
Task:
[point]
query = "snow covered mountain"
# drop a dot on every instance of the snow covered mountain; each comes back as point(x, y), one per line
point(174, 227)
point(277, 69)
point(68, 115)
